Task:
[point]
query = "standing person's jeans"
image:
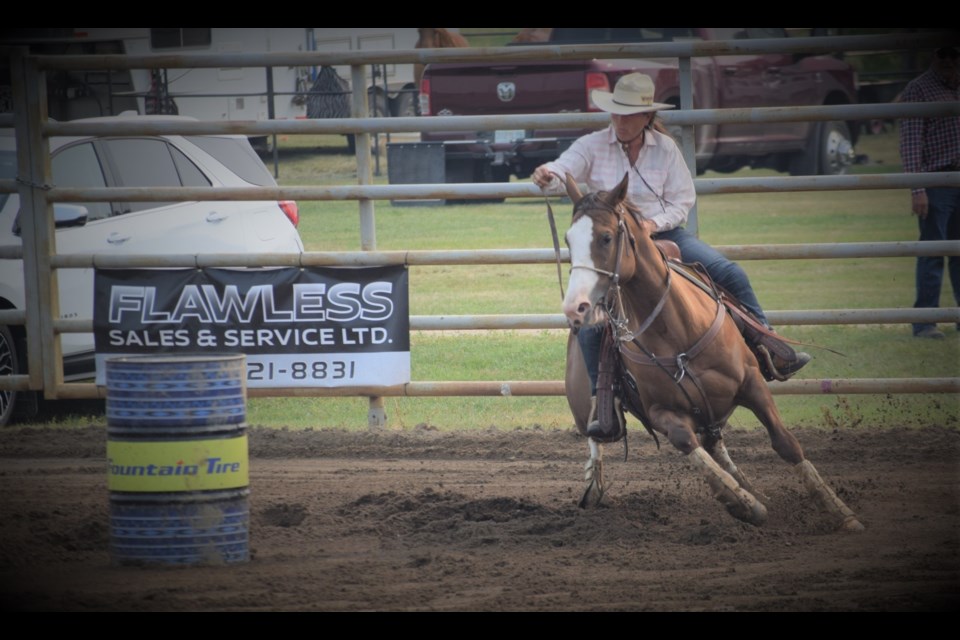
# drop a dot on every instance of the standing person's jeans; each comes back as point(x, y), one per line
point(725, 272)
point(942, 223)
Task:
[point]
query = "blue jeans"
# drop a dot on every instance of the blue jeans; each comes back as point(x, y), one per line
point(725, 272)
point(942, 223)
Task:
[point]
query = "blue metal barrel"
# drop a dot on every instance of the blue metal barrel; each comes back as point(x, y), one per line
point(178, 469)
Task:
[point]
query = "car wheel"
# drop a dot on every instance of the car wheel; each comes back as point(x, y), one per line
point(829, 151)
point(9, 366)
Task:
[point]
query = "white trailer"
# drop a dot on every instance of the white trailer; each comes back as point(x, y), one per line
point(220, 93)
point(391, 87)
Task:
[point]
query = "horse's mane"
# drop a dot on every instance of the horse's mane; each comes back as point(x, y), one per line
point(596, 200)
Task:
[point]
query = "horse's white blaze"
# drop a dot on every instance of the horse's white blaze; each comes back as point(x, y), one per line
point(582, 281)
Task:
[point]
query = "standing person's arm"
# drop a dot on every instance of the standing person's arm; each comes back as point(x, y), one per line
point(911, 151)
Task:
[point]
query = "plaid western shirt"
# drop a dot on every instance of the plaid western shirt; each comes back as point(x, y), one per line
point(660, 185)
point(929, 144)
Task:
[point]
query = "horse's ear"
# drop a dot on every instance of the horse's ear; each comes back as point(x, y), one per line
point(619, 192)
point(573, 190)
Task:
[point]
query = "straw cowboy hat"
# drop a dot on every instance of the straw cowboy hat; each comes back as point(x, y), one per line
point(633, 94)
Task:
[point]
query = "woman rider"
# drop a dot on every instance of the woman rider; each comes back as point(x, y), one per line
point(660, 187)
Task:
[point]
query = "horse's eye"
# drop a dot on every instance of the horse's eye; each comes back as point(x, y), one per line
point(606, 239)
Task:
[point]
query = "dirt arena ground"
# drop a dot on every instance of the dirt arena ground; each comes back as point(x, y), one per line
point(487, 521)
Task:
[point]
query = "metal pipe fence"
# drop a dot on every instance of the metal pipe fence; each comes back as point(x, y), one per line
point(37, 194)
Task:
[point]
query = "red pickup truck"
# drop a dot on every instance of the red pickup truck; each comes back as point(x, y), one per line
point(728, 81)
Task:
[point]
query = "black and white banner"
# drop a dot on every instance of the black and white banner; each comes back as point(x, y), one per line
point(317, 326)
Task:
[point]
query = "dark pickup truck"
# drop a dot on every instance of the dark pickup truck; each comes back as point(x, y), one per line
point(728, 81)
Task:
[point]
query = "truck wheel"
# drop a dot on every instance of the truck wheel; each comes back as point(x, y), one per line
point(829, 151)
point(404, 105)
point(9, 366)
point(838, 153)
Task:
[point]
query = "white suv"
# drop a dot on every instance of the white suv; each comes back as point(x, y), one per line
point(135, 228)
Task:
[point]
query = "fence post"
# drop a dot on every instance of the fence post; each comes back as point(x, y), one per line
point(376, 416)
point(44, 356)
point(271, 115)
point(688, 142)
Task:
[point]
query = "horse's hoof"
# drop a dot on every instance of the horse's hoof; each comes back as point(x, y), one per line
point(591, 496)
point(594, 478)
point(748, 509)
point(852, 525)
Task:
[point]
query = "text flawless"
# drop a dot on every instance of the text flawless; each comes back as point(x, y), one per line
point(310, 302)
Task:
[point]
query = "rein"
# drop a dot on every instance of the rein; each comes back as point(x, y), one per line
point(556, 245)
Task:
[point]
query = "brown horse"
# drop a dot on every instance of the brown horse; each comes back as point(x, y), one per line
point(685, 364)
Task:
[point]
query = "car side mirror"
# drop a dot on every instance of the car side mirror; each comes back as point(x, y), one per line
point(64, 215)
point(69, 215)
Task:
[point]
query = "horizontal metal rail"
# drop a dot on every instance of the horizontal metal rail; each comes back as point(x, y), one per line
point(503, 189)
point(559, 321)
point(484, 256)
point(490, 55)
point(556, 388)
point(485, 123)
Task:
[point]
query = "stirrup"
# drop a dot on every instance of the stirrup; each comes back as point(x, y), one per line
point(786, 369)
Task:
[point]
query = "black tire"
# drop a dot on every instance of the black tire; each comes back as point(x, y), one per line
point(9, 366)
point(675, 130)
point(405, 105)
point(263, 145)
point(829, 151)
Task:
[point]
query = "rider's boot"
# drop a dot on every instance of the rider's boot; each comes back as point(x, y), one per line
point(777, 359)
point(606, 421)
point(786, 368)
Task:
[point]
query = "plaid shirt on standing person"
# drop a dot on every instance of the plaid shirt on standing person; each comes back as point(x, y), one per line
point(929, 144)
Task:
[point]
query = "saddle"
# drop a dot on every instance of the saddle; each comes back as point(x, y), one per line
point(768, 347)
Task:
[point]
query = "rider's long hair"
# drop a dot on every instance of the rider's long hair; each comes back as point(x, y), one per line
point(656, 123)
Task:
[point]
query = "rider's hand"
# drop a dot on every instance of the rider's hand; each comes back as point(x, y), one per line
point(542, 177)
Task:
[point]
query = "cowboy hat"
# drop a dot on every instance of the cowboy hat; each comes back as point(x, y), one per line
point(632, 94)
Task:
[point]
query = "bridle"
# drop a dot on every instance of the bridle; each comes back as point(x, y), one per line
point(617, 315)
point(616, 310)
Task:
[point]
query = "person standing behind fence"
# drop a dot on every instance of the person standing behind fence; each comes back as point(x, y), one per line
point(933, 144)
